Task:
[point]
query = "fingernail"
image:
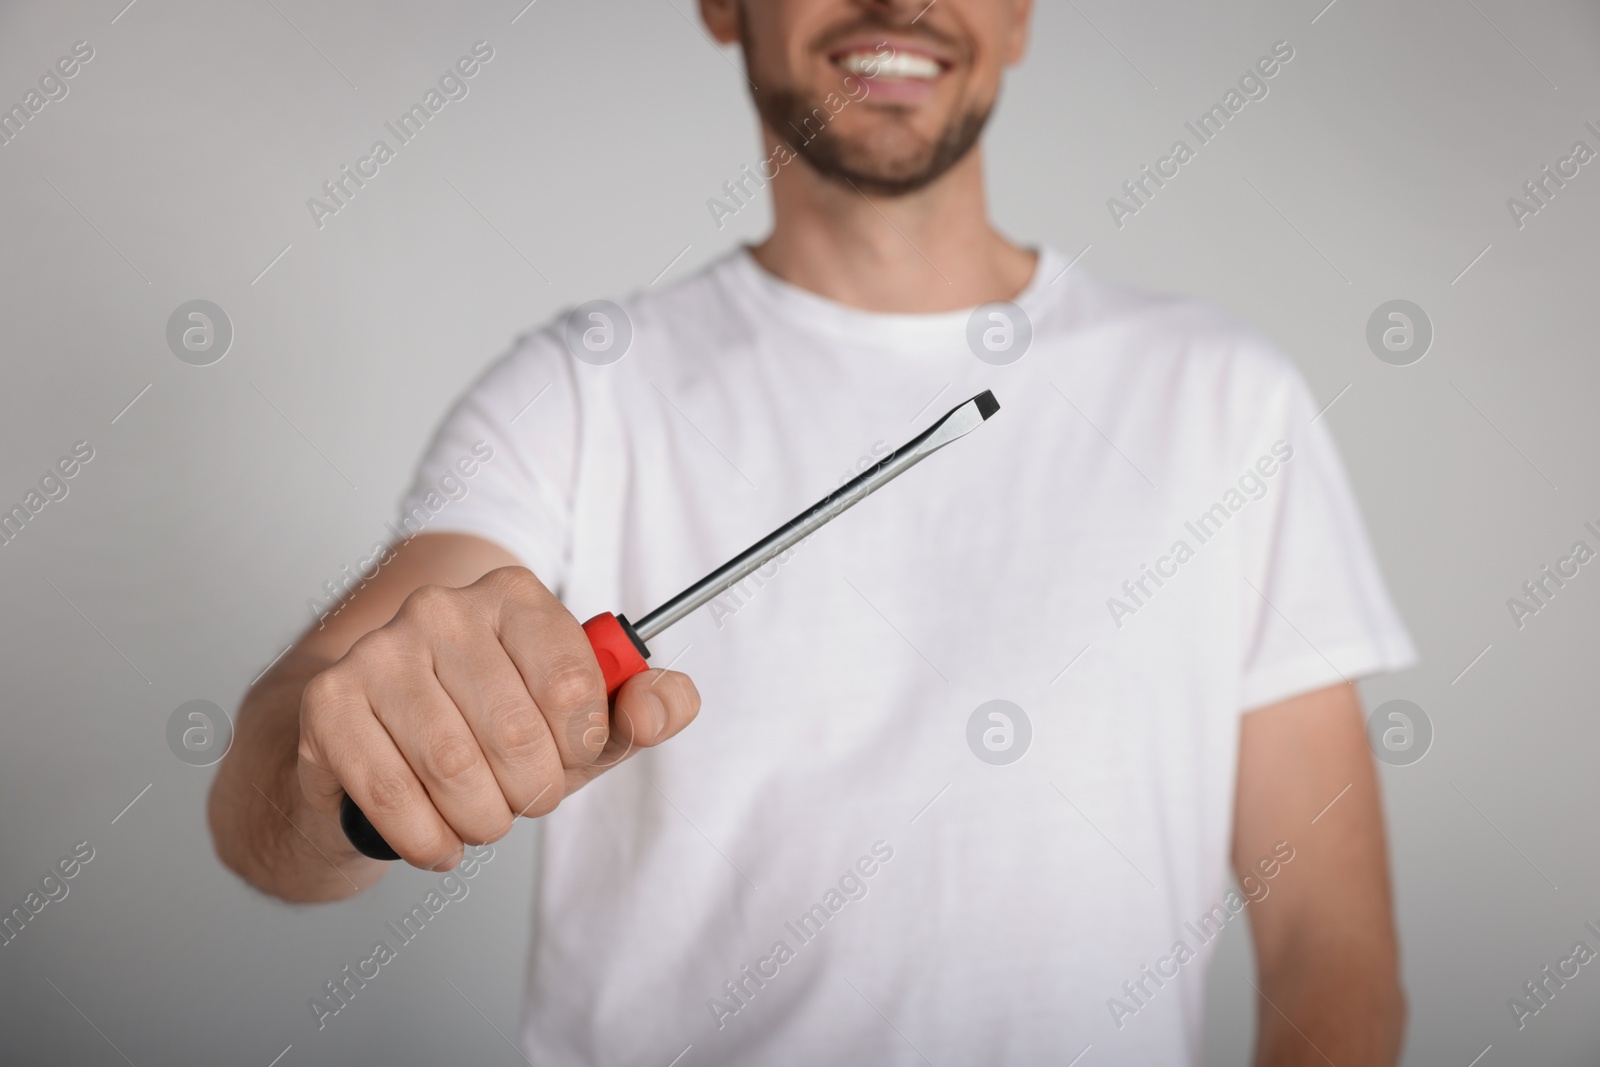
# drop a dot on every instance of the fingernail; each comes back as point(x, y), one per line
point(658, 715)
point(451, 864)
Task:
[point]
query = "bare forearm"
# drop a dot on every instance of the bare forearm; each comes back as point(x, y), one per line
point(1325, 942)
point(261, 825)
point(1338, 1002)
point(417, 698)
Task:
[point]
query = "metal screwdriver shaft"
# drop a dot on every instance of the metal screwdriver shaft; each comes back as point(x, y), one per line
point(958, 422)
point(619, 646)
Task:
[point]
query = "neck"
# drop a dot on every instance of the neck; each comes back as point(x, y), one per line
point(928, 251)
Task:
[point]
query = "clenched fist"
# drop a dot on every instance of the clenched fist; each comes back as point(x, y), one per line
point(471, 707)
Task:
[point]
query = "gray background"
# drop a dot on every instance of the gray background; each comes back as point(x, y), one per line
point(179, 166)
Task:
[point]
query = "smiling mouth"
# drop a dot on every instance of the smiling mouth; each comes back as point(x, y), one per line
point(901, 65)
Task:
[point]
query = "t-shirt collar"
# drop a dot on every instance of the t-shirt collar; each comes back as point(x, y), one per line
point(887, 330)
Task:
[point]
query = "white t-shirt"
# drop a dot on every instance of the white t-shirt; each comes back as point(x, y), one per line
point(822, 869)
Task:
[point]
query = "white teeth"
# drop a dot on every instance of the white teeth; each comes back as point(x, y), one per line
point(898, 65)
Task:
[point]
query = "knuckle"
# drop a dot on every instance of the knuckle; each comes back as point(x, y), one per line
point(380, 649)
point(430, 599)
point(513, 582)
point(432, 607)
point(326, 704)
point(451, 758)
point(387, 791)
point(571, 685)
point(515, 728)
point(325, 690)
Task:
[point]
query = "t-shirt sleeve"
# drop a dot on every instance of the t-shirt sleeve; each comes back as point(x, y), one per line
point(1316, 611)
point(503, 463)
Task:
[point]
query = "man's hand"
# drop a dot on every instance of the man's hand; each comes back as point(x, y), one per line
point(448, 695)
point(470, 708)
point(1327, 959)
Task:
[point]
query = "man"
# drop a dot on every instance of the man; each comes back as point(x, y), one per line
point(1151, 553)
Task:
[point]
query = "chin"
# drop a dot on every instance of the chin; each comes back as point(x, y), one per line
point(892, 143)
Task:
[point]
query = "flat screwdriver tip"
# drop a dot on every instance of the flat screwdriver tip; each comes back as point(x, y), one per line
point(987, 404)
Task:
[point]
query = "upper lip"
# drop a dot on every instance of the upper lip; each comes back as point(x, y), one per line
point(913, 45)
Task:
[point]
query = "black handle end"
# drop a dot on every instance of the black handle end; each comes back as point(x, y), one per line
point(362, 834)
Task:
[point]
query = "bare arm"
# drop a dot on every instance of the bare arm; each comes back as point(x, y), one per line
point(1326, 952)
point(448, 695)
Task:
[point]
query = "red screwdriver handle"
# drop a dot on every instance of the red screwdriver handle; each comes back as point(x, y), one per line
point(621, 653)
point(618, 648)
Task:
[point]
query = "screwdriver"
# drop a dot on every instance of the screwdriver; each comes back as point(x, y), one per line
point(619, 645)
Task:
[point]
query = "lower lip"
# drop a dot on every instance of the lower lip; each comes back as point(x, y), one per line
point(901, 90)
point(897, 90)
